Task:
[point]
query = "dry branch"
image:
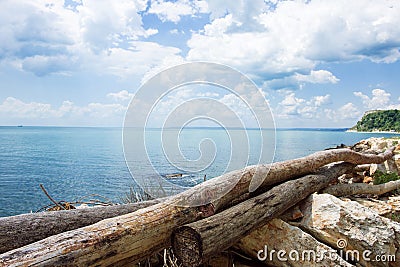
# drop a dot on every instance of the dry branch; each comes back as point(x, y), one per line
point(197, 241)
point(20, 230)
point(132, 237)
point(361, 188)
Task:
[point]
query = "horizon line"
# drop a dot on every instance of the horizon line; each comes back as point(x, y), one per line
point(159, 128)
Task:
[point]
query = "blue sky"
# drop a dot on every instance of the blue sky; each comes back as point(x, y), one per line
point(319, 63)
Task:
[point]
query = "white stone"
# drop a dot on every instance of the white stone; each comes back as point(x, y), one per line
point(330, 219)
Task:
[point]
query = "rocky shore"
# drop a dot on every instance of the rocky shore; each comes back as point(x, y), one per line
point(325, 230)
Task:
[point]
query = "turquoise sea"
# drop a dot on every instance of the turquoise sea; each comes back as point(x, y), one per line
point(73, 162)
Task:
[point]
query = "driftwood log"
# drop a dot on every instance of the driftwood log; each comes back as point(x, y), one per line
point(194, 242)
point(132, 237)
point(361, 188)
point(20, 230)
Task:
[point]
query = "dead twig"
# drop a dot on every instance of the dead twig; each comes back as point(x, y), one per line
point(49, 197)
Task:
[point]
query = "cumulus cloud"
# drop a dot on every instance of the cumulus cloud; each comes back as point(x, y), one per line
point(38, 35)
point(291, 105)
point(267, 39)
point(297, 35)
point(45, 37)
point(379, 100)
point(317, 76)
point(186, 103)
point(120, 96)
point(94, 114)
point(141, 58)
point(348, 111)
point(296, 80)
point(173, 11)
point(105, 24)
point(294, 111)
point(345, 115)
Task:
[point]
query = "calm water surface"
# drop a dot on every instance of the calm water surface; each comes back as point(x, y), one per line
point(74, 162)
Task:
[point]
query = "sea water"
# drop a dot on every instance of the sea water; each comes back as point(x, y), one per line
point(73, 162)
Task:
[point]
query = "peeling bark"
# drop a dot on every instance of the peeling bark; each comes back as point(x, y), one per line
point(361, 188)
point(195, 242)
point(20, 230)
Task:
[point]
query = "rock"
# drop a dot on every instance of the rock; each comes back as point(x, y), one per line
point(292, 214)
point(379, 206)
point(377, 145)
point(394, 201)
point(298, 247)
point(387, 166)
point(367, 179)
point(353, 227)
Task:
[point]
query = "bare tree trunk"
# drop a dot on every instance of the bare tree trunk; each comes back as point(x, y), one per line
point(262, 176)
point(20, 230)
point(197, 241)
point(361, 188)
point(137, 235)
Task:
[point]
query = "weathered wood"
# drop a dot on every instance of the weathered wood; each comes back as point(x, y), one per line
point(110, 242)
point(197, 241)
point(20, 230)
point(361, 188)
point(262, 176)
point(134, 236)
point(362, 168)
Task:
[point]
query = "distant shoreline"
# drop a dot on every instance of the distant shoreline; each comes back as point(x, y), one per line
point(341, 129)
point(384, 132)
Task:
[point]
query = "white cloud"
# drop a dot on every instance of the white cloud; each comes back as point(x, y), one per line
point(94, 114)
point(301, 108)
point(188, 102)
point(295, 36)
point(138, 60)
point(173, 11)
point(12, 107)
point(121, 96)
point(297, 80)
point(45, 37)
point(166, 61)
point(349, 110)
point(218, 26)
point(244, 12)
point(380, 99)
point(317, 76)
point(346, 112)
point(105, 24)
point(289, 106)
point(320, 100)
point(292, 100)
point(38, 34)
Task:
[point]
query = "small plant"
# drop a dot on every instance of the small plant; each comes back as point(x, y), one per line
point(135, 194)
point(395, 217)
point(382, 177)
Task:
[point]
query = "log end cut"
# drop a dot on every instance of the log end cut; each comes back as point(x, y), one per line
point(187, 245)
